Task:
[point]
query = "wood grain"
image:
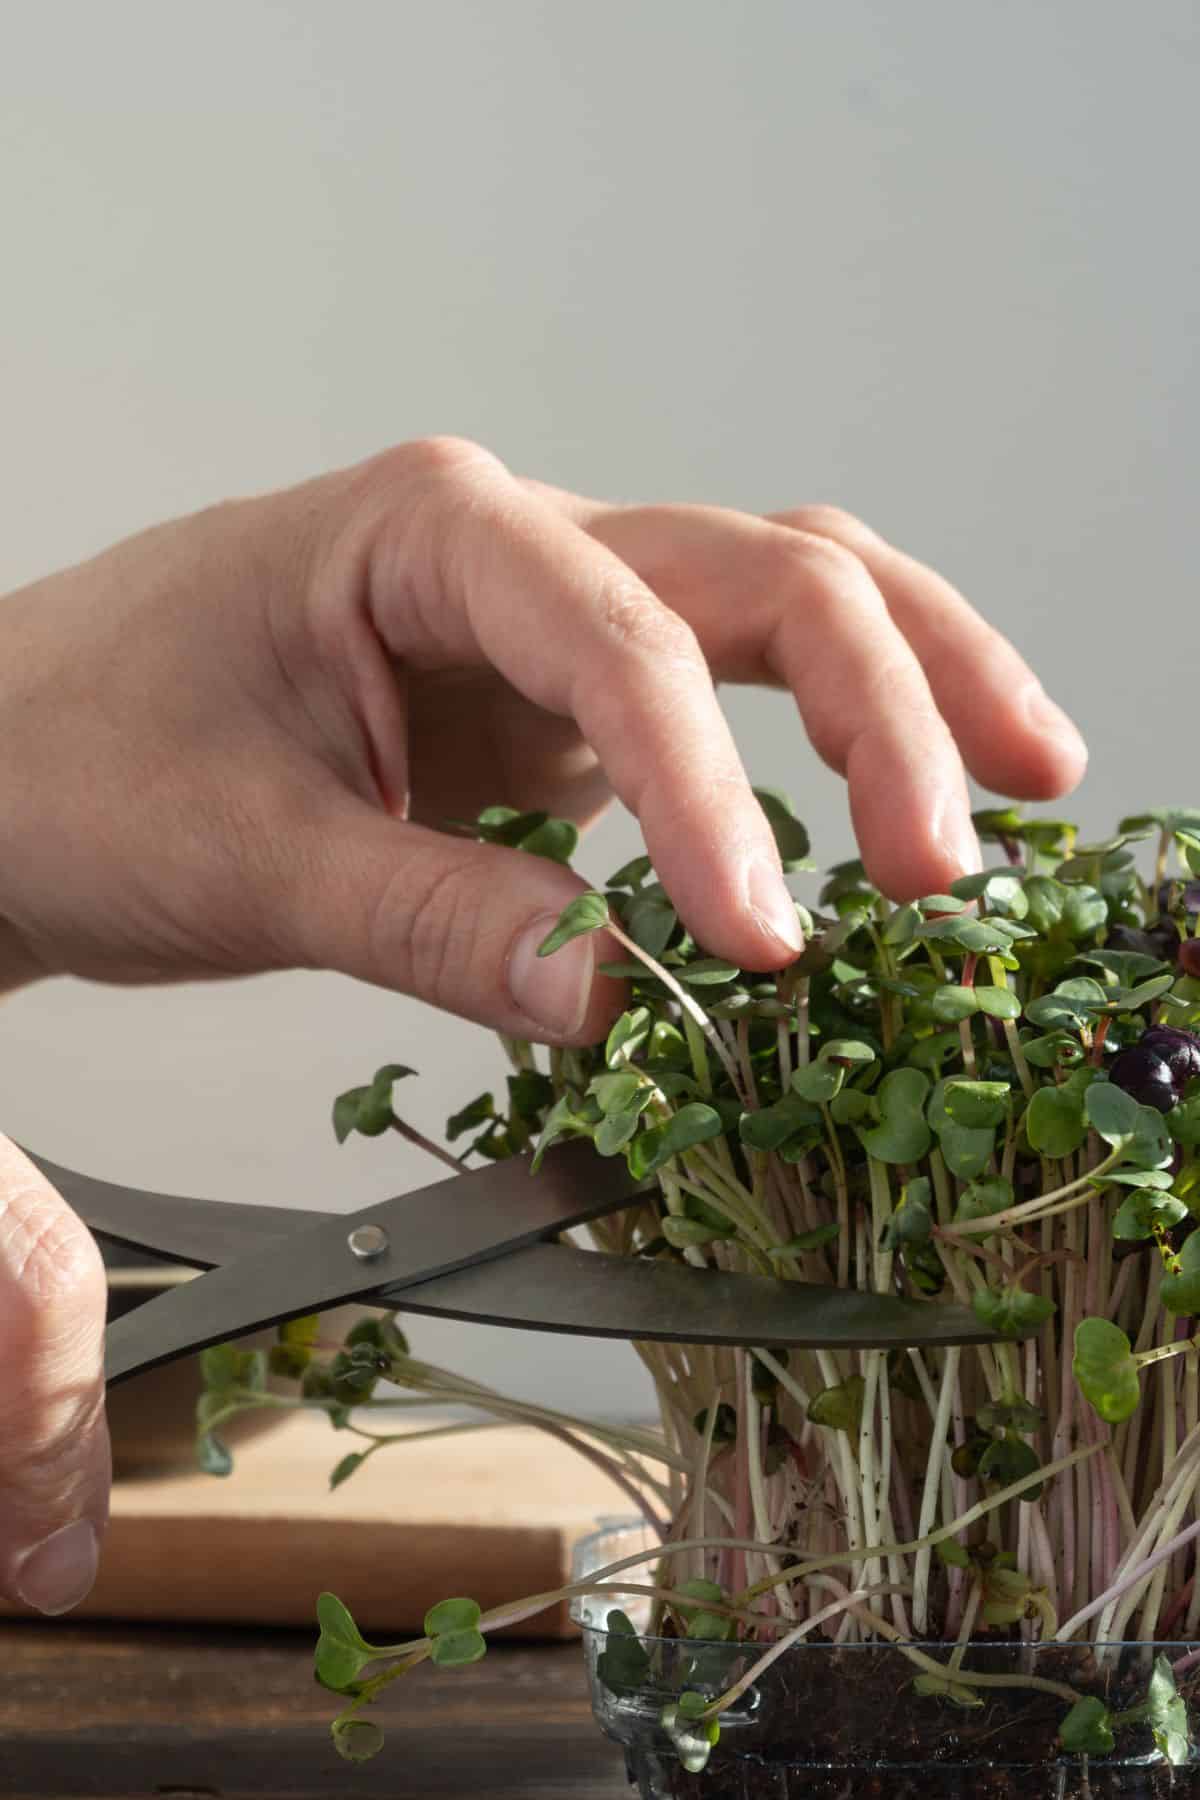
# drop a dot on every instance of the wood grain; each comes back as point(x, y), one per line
point(494, 1514)
point(93, 1712)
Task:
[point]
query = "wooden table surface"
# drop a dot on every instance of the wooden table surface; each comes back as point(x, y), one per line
point(134, 1711)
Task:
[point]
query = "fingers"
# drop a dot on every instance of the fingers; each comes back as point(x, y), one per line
point(877, 670)
point(54, 1456)
point(870, 715)
point(466, 565)
point(616, 618)
point(447, 920)
point(777, 605)
point(1013, 738)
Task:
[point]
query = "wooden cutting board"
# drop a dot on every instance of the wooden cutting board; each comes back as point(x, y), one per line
point(493, 1514)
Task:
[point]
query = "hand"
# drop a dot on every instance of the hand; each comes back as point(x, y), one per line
point(224, 746)
point(225, 743)
point(54, 1460)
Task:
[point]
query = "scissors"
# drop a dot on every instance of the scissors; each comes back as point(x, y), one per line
point(480, 1246)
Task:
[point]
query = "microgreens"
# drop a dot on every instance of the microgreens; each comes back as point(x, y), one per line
point(989, 1096)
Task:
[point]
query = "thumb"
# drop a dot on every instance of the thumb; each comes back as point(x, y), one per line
point(54, 1456)
point(448, 920)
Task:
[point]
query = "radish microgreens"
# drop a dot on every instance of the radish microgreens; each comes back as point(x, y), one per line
point(990, 1097)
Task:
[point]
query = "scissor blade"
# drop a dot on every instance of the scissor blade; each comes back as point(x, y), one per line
point(512, 1280)
point(467, 1219)
point(202, 1233)
point(208, 1233)
point(555, 1287)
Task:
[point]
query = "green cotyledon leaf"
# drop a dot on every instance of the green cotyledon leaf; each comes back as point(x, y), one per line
point(1105, 1369)
point(1180, 1291)
point(1167, 1714)
point(587, 912)
point(692, 1124)
point(1010, 1310)
point(902, 1134)
point(1087, 1728)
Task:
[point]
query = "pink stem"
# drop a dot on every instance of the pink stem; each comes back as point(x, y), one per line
point(1170, 1617)
point(741, 1498)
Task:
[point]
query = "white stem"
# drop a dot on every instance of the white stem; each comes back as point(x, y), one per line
point(689, 1005)
point(938, 1452)
point(1136, 1574)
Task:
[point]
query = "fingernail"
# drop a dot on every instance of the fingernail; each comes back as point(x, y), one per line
point(554, 991)
point(60, 1571)
point(1051, 721)
point(773, 907)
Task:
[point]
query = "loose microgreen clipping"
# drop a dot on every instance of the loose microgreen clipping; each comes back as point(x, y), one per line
point(453, 1628)
point(342, 1651)
point(357, 1740)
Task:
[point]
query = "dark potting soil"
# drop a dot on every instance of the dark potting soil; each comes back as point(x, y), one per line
point(854, 1729)
point(946, 1784)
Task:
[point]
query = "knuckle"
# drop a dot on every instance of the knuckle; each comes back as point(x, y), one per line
point(52, 1305)
point(448, 458)
point(640, 625)
point(422, 931)
point(444, 490)
point(836, 523)
point(823, 562)
point(821, 577)
point(895, 684)
point(419, 478)
point(45, 1248)
point(686, 817)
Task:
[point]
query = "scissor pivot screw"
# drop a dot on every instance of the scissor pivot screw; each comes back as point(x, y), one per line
point(368, 1241)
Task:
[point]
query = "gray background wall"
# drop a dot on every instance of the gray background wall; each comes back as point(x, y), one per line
point(937, 263)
